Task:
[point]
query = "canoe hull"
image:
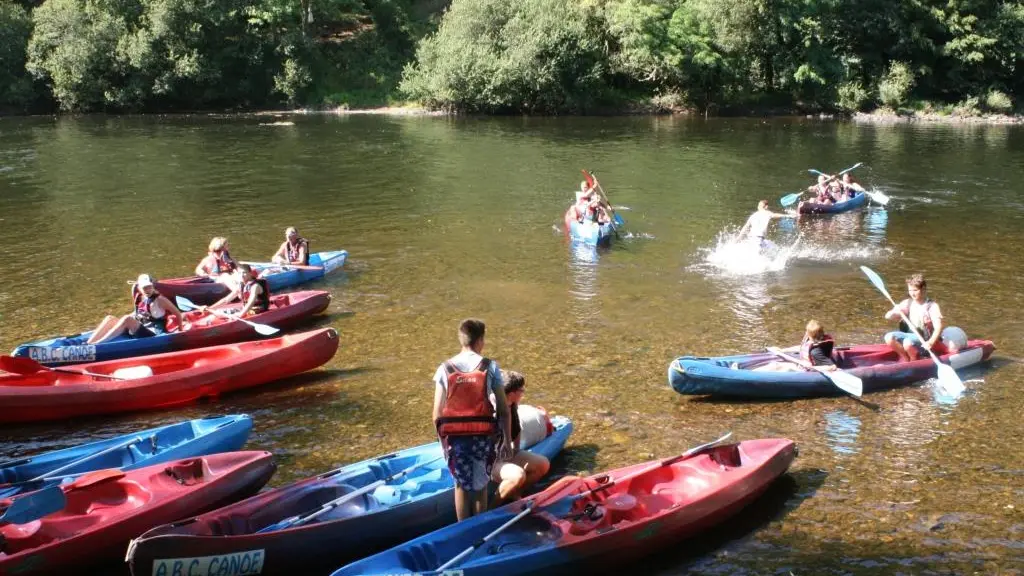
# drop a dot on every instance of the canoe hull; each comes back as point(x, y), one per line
point(104, 512)
point(162, 444)
point(179, 378)
point(317, 547)
point(875, 364)
point(669, 504)
point(287, 311)
point(205, 291)
point(589, 233)
point(858, 201)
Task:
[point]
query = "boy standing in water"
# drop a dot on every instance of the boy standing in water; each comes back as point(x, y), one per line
point(468, 392)
point(756, 228)
point(924, 314)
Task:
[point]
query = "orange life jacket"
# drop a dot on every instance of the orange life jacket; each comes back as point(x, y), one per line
point(292, 253)
point(467, 408)
point(262, 301)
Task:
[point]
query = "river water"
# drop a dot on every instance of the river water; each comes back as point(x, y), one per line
point(449, 218)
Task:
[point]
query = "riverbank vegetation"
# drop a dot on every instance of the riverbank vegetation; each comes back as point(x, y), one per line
point(534, 56)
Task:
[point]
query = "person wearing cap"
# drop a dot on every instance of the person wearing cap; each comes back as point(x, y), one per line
point(152, 311)
point(218, 265)
point(294, 250)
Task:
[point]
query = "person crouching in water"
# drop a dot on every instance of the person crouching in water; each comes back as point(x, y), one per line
point(925, 315)
point(524, 468)
point(467, 395)
point(253, 292)
point(815, 350)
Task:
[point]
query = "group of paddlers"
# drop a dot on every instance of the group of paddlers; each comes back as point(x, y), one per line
point(154, 313)
point(591, 205)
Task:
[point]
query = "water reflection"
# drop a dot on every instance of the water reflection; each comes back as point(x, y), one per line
point(876, 220)
point(841, 432)
point(583, 266)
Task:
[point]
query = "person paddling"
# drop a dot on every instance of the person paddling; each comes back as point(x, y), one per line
point(152, 311)
point(218, 265)
point(294, 250)
point(524, 468)
point(850, 186)
point(470, 410)
point(756, 227)
point(925, 314)
point(253, 292)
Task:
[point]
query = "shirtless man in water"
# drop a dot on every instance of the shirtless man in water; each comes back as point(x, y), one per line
point(756, 228)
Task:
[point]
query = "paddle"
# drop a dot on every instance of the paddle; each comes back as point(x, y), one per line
point(276, 265)
point(592, 180)
point(843, 380)
point(26, 366)
point(874, 195)
point(34, 505)
point(186, 304)
point(949, 382)
point(16, 487)
point(569, 500)
point(299, 520)
point(789, 199)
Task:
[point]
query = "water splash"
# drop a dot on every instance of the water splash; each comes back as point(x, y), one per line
point(741, 258)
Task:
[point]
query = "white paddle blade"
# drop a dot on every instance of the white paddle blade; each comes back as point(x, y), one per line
point(184, 303)
point(846, 382)
point(264, 329)
point(876, 280)
point(878, 197)
point(949, 381)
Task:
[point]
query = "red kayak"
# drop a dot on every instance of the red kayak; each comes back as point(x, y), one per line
point(107, 508)
point(161, 380)
point(600, 521)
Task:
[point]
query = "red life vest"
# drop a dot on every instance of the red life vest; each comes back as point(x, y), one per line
point(223, 264)
point(467, 408)
point(144, 309)
point(825, 344)
point(262, 301)
point(292, 254)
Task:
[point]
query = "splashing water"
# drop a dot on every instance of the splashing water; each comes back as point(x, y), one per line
point(743, 258)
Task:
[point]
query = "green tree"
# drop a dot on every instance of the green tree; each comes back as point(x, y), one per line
point(16, 88)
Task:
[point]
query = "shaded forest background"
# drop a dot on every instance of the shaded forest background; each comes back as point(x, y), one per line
point(527, 56)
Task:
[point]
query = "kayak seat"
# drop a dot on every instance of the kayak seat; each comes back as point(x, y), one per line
point(420, 557)
point(190, 472)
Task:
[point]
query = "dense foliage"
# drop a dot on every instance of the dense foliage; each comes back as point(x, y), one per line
point(542, 56)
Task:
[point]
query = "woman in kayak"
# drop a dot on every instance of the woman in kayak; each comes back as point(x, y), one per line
point(925, 315)
point(252, 291)
point(524, 468)
point(294, 250)
point(815, 350)
point(218, 265)
point(850, 187)
point(822, 192)
point(152, 311)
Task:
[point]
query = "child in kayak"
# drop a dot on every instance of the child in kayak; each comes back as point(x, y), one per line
point(467, 395)
point(524, 468)
point(152, 311)
point(218, 265)
point(925, 314)
point(756, 227)
point(815, 350)
point(253, 292)
point(294, 250)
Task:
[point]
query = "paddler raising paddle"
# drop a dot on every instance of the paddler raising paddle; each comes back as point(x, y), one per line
point(756, 228)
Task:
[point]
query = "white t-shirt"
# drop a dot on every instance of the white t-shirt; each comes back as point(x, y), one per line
point(758, 222)
point(465, 362)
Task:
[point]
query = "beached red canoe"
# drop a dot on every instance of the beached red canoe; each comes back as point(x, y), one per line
point(656, 504)
point(176, 378)
point(107, 508)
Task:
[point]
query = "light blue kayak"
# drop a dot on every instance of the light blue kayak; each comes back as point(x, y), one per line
point(279, 278)
point(156, 445)
point(256, 531)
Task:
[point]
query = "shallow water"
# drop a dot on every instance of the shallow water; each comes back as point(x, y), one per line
point(448, 218)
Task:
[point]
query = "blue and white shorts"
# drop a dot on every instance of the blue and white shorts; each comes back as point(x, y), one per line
point(470, 459)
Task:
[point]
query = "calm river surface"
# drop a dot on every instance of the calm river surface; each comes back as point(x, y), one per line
point(449, 218)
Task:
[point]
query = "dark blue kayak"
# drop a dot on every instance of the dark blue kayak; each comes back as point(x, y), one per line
point(156, 445)
point(858, 201)
point(248, 533)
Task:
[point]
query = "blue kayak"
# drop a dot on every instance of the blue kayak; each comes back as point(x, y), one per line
point(858, 201)
point(162, 444)
point(249, 532)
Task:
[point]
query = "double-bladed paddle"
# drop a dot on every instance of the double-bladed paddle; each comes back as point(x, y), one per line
point(277, 265)
point(949, 381)
point(299, 519)
point(17, 487)
point(186, 304)
point(25, 366)
point(566, 503)
point(843, 380)
point(593, 181)
point(34, 505)
point(873, 194)
point(789, 199)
